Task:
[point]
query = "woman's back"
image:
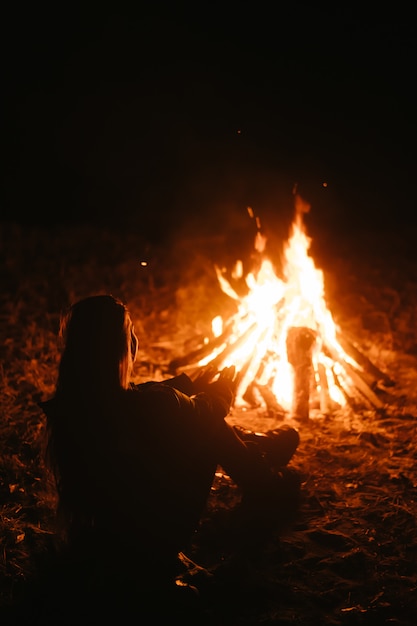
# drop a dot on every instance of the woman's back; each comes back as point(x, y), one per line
point(132, 467)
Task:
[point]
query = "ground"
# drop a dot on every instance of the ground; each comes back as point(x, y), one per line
point(347, 554)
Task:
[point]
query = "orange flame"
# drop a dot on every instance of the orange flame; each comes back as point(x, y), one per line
point(256, 342)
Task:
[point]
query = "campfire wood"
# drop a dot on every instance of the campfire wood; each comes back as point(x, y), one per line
point(356, 376)
point(376, 375)
point(300, 342)
point(195, 356)
point(326, 403)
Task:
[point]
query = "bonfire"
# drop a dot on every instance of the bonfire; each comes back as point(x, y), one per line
point(291, 357)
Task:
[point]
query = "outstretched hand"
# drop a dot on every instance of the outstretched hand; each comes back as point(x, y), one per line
point(205, 376)
point(227, 374)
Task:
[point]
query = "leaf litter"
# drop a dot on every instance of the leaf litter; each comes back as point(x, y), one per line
point(348, 554)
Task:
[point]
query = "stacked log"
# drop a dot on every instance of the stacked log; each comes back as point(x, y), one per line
point(357, 378)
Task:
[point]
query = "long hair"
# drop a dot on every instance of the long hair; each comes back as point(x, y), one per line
point(98, 352)
point(96, 333)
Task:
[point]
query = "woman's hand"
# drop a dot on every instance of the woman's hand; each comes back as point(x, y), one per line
point(228, 374)
point(225, 385)
point(204, 377)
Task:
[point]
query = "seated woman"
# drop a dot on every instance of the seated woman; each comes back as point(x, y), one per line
point(133, 465)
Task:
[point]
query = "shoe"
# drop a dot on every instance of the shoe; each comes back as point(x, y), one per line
point(276, 446)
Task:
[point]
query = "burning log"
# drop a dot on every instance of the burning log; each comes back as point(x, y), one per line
point(219, 349)
point(348, 398)
point(356, 378)
point(274, 409)
point(350, 393)
point(326, 403)
point(196, 355)
point(374, 372)
point(250, 379)
point(232, 346)
point(300, 342)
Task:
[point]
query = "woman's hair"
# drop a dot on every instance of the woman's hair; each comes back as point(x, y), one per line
point(99, 346)
point(96, 334)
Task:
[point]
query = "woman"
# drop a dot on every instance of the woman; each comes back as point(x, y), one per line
point(133, 464)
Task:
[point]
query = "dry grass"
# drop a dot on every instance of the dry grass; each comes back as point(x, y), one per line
point(349, 556)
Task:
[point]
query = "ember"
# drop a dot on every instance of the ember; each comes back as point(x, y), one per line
point(291, 357)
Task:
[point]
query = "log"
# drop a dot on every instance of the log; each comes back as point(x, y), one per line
point(249, 396)
point(217, 360)
point(356, 377)
point(356, 399)
point(351, 400)
point(273, 408)
point(299, 343)
point(363, 387)
point(362, 360)
point(325, 400)
point(195, 356)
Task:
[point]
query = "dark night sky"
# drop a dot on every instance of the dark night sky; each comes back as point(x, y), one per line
point(134, 116)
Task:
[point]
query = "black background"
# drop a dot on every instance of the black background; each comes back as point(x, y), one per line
point(157, 116)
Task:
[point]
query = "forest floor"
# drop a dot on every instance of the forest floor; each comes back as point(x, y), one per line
point(349, 553)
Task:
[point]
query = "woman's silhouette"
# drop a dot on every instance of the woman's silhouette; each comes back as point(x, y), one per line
point(134, 464)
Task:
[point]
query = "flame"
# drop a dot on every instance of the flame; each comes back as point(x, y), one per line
point(256, 337)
